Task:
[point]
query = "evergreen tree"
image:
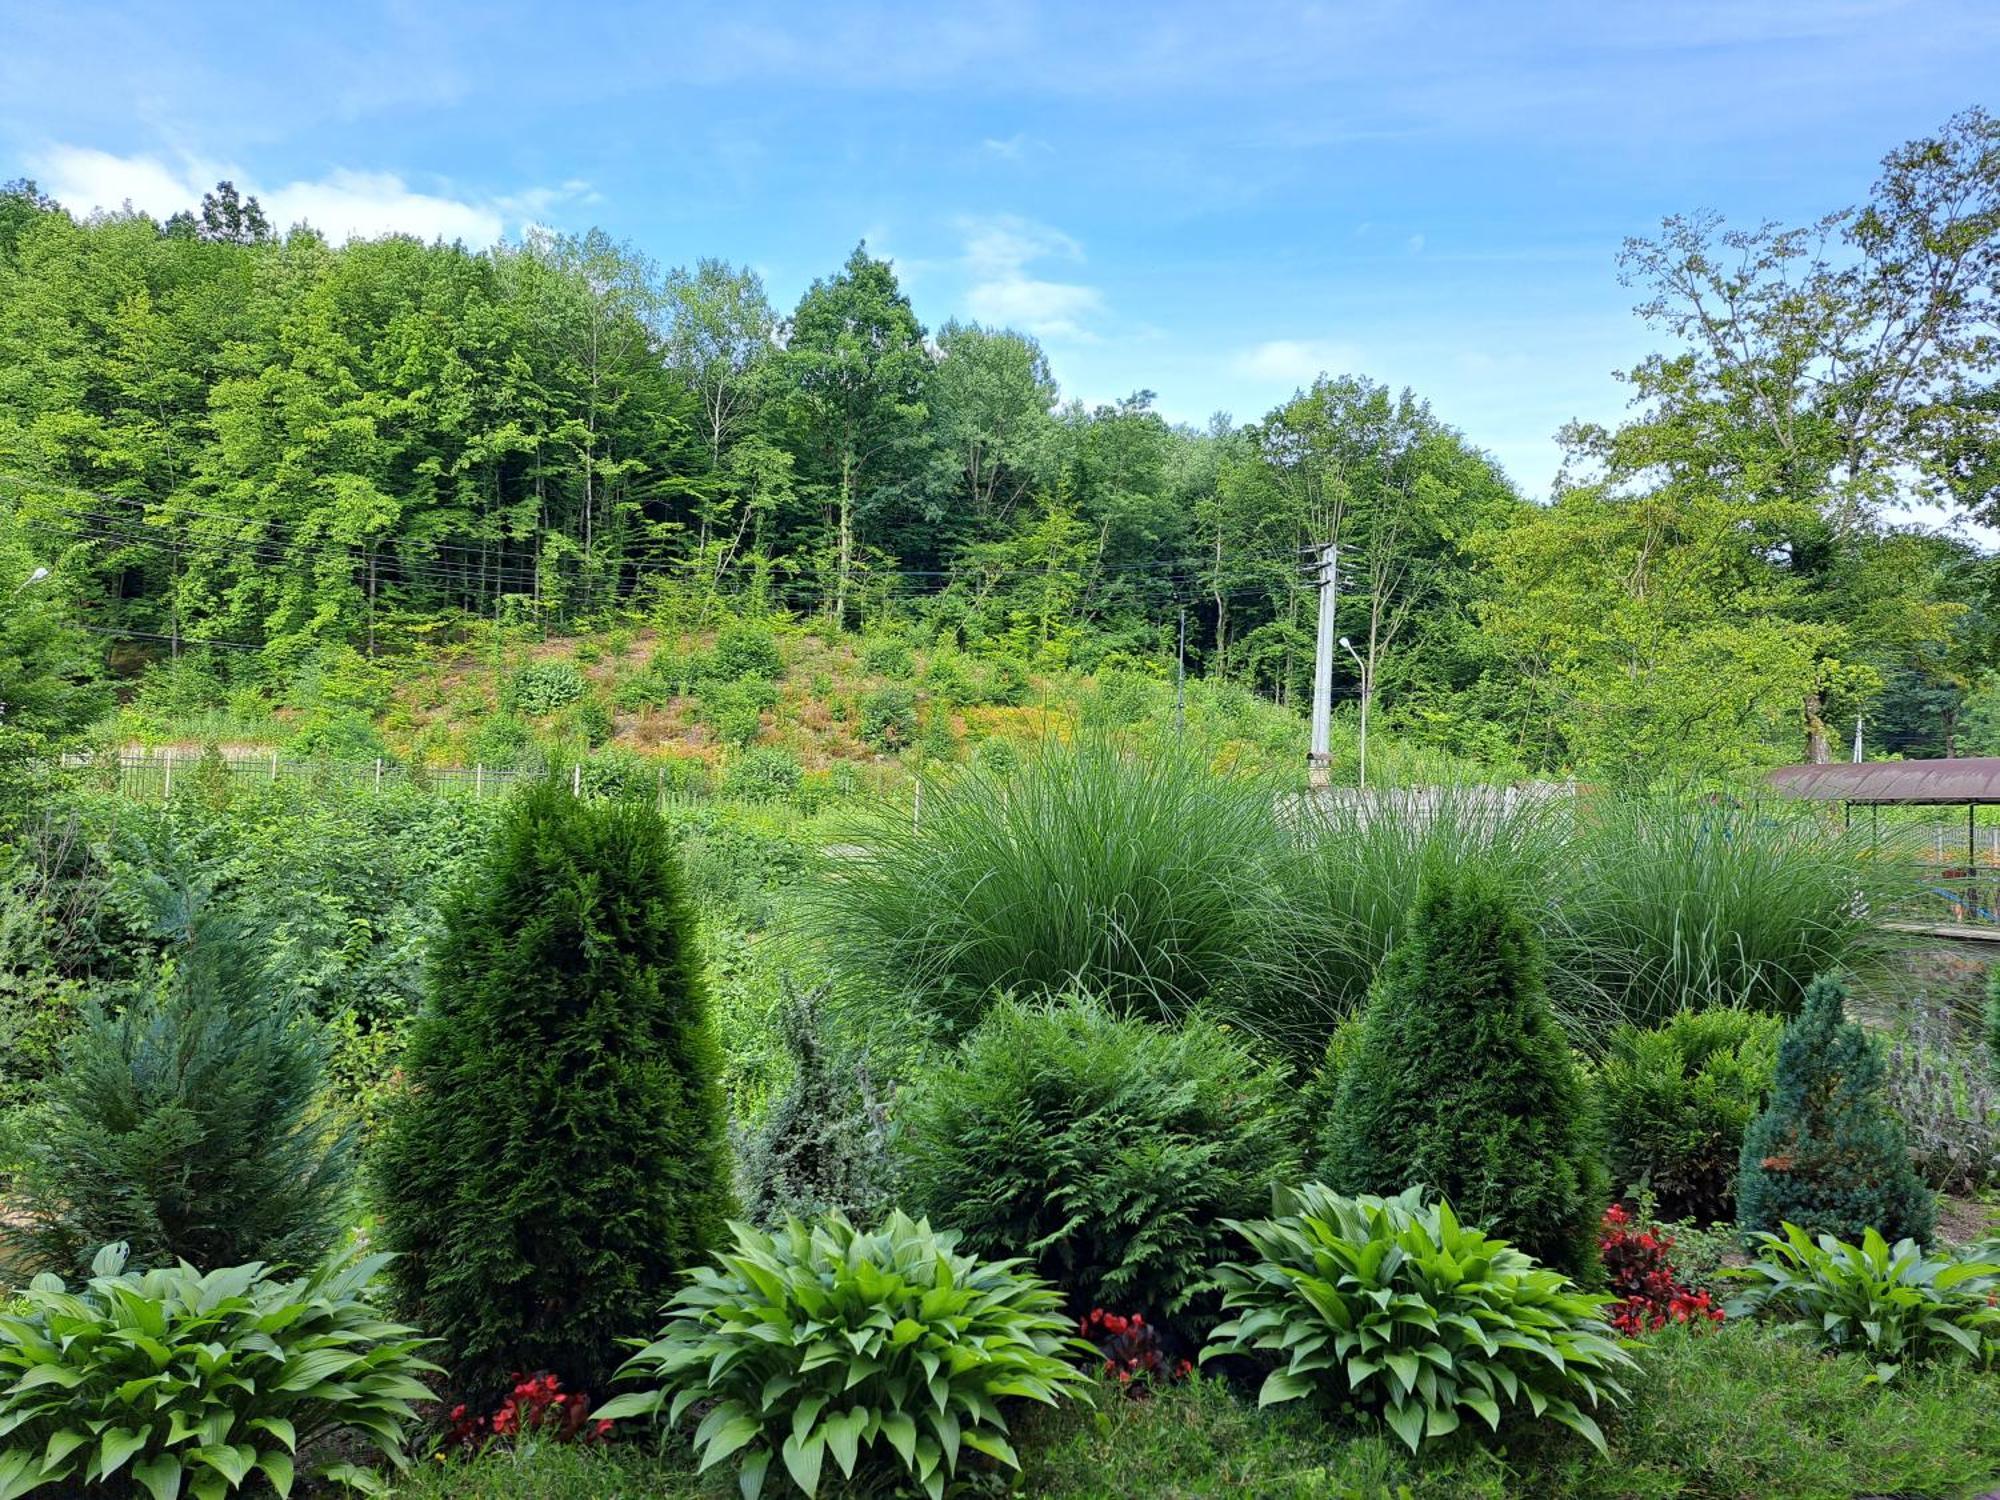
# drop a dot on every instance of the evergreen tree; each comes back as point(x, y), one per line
point(1826, 1154)
point(186, 1125)
point(1462, 1081)
point(558, 1155)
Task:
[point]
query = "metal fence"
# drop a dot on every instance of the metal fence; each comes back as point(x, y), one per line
point(157, 776)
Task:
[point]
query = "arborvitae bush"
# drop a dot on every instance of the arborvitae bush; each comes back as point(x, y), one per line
point(186, 1125)
point(1463, 1083)
point(745, 649)
point(1826, 1154)
point(823, 1146)
point(1675, 1101)
point(1107, 1151)
point(558, 1153)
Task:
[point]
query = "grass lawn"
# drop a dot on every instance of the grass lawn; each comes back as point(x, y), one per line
point(1734, 1412)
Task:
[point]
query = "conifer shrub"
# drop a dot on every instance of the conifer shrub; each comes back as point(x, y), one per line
point(187, 1125)
point(543, 687)
point(1675, 1101)
point(1826, 1154)
point(1107, 1151)
point(1462, 1081)
point(823, 1146)
point(558, 1152)
point(745, 649)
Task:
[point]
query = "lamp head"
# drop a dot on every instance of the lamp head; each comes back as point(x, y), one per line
point(1346, 644)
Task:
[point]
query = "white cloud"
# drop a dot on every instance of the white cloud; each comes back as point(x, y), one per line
point(344, 204)
point(1296, 362)
point(998, 253)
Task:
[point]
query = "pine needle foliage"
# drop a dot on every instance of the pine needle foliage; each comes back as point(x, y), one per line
point(1826, 1154)
point(558, 1153)
point(187, 1125)
point(1463, 1083)
point(1107, 1151)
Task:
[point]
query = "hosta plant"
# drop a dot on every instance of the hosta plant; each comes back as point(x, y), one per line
point(1391, 1306)
point(173, 1382)
point(1891, 1303)
point(880, 1350)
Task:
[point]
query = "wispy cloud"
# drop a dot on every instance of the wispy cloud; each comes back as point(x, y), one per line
point(1296, 362)
point(998, 254)
point(344, 204)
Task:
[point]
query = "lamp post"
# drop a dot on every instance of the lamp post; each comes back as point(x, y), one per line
point(35, 577)
point(1348, 646)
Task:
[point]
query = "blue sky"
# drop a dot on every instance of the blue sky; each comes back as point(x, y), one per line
point(1212, 201)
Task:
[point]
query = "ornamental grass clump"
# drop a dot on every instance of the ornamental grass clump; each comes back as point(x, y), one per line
point(886, 1351)
point(174, 1381)
point(1393, 1308)
point(1892, 1304)
point(557, 1154)
point(1826, 1154)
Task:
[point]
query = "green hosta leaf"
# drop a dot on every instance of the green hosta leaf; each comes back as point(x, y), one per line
point(750, 1478)
point(803, 1460)
point(115, 1447)
point(160, 1474)
point(992, 1445)
point(277, 1467)
point(1279, 1385)
point(1406, 1418)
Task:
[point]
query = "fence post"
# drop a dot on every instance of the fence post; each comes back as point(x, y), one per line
point(576, 780)
point(378, 773)
point(917, 808)
point(478, 782)
point(168, 794)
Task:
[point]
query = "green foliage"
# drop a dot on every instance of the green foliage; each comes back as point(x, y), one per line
point(997, 758)
point(735, 709)
point(1151, 882)
point(891, 1353)
point(1891, 1304)
point(1107, 1151)
point(1462, 1081)
point(1826, 1154)
point(1391, 1307)
point(1949, 1105)
point(39, 1003)
point(1992, 1022)
point(887, 656)
point(176, 1382)
point(559, 1151)
point(823, 1145)
point(764, 774)
point(543, 687)
point(1676, 1100)
point(889, 716)
point(187, 1124)
point(745, 649)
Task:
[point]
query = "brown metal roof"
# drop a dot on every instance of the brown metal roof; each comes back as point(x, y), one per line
point(1973, 779)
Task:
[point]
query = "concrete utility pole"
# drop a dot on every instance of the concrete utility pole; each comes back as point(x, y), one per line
point(1319, 759)
point(1857, 739)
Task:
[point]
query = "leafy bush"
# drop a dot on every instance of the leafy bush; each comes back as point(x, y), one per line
point(824, 1143)
point(1640, 1273)
point(558, 1153)
point(1676, 1100)
point(1949, 1105)
point(1826, 1154)
point(1151, 883)
point(764, 774)
point(191, 1382)
point(1108, 1151)
point(889, 716)
point(887, 656)
point(1462, 1081)
point(886, 1351)
point(502, 740)
point(996, 757)
point(543, 687)
point(1890, 1303)
point(744, 650)
point(537, 1411)
point(187, 1124)
point(1398, 1309)
point(735, 709)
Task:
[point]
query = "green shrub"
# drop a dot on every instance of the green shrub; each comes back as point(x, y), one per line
point(1152, 883)
point(590, 721)
point(1462, 1081)
point(642, 690)
point(558, 1153)
point(1826, 1154)
point(543, 687)
point(618, 773)
point(342, 734)
point(735, 709)
point(996, 757)
point(945, 678)
point(745, 650)
point(176, 1381)
point(1891, 1304)
point(502, 740)
point(1006, 684)
point(888, 1352)
point(887, 656)
point(823, 1146)
point(764, 774)
point(1394, 1308)
point(1676, 1100)
point(1107, 1151)
point(889, 716)
point(1992, 1019)
point(187, 1124)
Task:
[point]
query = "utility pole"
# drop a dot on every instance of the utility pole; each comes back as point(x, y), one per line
point(1367, 692)
point(1857, 739)
point(1319, 759)
point(1180, 680)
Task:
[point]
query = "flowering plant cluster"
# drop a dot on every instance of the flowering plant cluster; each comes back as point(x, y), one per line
point(1131, 1347)
point(1642, 1276)
point(538, 1408)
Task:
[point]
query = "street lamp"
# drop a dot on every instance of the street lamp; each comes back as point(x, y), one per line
point(35, 577)
point(1348, 646)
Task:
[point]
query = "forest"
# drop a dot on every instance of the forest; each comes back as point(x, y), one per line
point(246, 448)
